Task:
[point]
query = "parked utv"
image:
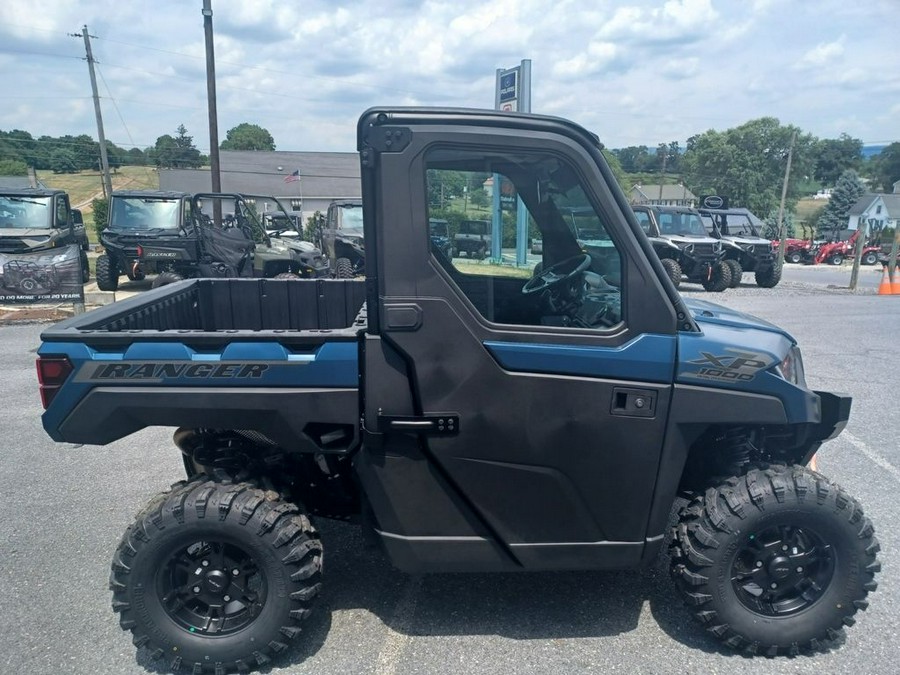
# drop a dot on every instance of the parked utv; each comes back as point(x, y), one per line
point(40, 219)
point(473, 238)
point(746, 250)
point(471, 418)
point(342, 240)
point(683, 246)
point(440, 236)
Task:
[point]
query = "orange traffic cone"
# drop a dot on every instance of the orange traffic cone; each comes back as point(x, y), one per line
point(885, 287)
point(895, 284)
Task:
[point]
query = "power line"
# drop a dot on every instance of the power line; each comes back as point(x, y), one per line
point(116, 106)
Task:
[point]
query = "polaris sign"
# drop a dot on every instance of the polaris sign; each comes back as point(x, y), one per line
point(713, 202)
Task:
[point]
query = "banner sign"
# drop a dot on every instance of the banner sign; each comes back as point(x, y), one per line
point(44, 276)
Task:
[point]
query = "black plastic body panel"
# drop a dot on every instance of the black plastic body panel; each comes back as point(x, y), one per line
point(220, 310)
point(107, 414)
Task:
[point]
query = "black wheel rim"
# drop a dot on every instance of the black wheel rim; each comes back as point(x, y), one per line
point(782, 570)
point(211, 588)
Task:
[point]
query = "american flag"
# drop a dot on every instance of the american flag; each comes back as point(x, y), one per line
point(292, 177)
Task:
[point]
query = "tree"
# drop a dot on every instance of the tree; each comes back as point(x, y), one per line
point(63, 161)
point(747, 163)
point(100, 206)
point(635, 159)
point(175, 152)
point(846, 193)
point(887, 166)
point(13, 167)
point(770, 231)
point(833, 156)
point(246, 136)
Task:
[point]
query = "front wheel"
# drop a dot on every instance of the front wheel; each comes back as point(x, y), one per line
point(216, 576)
point(836, 259)
point(793, 257)
point(107, 273)
point(768, 277)
point(85, 267)
point(869, 258)
point(719, 278)
point(737, 272)
point(775, 561)
point(344, 268)
point(673, 270)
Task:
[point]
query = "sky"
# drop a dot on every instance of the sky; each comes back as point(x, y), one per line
point(636, 72)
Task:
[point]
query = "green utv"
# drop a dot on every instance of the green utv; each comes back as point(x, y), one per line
point(176, 235)
point(40, 219)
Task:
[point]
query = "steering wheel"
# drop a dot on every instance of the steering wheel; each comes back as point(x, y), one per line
point(557, 274)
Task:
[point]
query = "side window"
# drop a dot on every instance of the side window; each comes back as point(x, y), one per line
point(480, 202)
point(62, 212)
point(643, 219)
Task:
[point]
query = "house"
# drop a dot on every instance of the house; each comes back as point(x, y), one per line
point(663, 195)
point(305, 182)
point(897, 187)
point(878, 211)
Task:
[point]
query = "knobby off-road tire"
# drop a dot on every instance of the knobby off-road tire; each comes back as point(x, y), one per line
point(673, 269)
point(286, 275)
point(775, 561)
point(343, 268)
point(719, 280)
point(216, 577)
point(768, 278)
point(166, 278)
point(107, 274)
point(85, 267)
point(737, 272)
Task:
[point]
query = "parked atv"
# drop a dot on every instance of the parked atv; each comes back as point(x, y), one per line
point(682, 245)
point(746, 250)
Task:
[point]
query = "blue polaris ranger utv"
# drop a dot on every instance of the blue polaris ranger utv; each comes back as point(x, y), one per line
point(472, 417)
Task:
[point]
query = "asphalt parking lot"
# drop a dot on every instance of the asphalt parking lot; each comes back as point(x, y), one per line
point(65, 507)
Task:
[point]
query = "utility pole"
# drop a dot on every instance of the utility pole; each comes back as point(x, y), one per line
point(862, 234)
point(779, 262)
point(214, 170)
point(104, 162)
point(662, 175)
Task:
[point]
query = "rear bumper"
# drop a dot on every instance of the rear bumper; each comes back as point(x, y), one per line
point(835, 411)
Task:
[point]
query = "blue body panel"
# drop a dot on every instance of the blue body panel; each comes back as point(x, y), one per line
point(172, 364)
point(647, 358)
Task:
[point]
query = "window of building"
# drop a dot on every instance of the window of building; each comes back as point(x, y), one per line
point(575, 282)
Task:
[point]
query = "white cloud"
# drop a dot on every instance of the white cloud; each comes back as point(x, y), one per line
point(823, 53)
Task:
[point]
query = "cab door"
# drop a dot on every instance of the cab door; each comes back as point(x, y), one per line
point(539, 417)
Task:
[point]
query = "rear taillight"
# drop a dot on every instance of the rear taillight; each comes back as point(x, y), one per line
point(140, 251)
point(52, 372)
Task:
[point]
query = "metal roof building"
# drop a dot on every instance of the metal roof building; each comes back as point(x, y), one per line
point(304, 181)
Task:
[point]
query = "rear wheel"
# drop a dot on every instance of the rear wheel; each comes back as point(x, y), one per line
point(869, 258)
point(775, 561)
point(344, 268)
point(836, 259)
point(107, 273)
point(166, 278)
point(793, 257)
point(768, 277)
point(719, 278)
point(85, 267)
point(673, 269)
point(737, 273)
point(214, 576)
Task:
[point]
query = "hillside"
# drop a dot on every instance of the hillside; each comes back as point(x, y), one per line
point(85, 186)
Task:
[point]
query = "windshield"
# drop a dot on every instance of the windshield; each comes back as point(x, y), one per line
point(474, 227)
point(681, 223)
point(144, 213)
point(351, 220)
point(738, 225)
point(25, 212)
point(438, 228)
point(586, 225)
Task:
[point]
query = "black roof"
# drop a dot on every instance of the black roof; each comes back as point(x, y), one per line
point(153, 194)
point(30, 192)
